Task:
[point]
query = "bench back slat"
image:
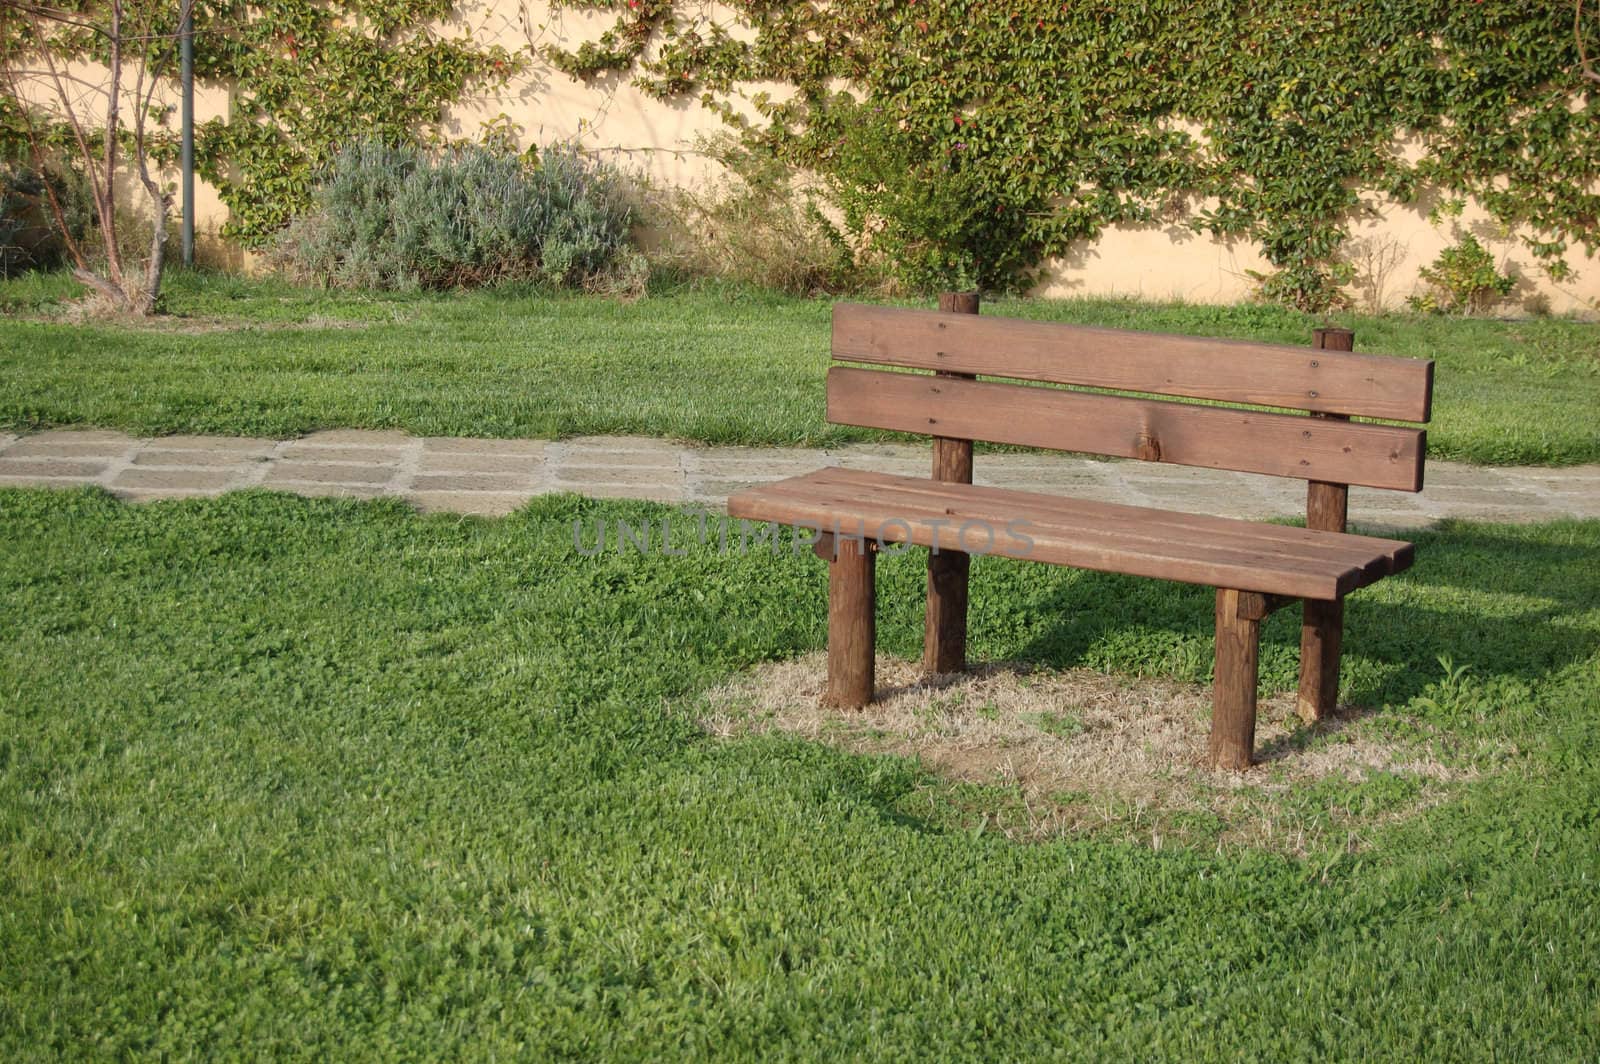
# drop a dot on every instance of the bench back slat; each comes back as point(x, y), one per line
point(1228, 371)
point(1251, 441)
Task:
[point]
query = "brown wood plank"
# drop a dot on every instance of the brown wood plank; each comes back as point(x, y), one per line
point(1321, 639)
point(1043, 526)
point(1293, 546)
point(1156, 540)
point(944, 632)
point(1229, 371)
point(1254, 606)
point(1285, 445)
point(852, 624)
point(804, 501)
point(1316, 543)
point(1233, 691)
point(1145, 522)
point(1333, 562)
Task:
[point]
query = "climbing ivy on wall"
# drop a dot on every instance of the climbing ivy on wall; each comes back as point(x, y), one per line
point(306, 77)
point(969, 140)
point(309, 76)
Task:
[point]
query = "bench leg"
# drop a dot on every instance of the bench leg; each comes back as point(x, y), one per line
point(1233, 712)
point(851, 623)
point(1321, 638)
point(944, 642)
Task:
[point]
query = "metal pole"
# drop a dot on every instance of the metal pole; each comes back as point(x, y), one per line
point(186, 32)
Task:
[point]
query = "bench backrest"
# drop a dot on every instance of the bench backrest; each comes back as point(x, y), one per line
point(1320, 444)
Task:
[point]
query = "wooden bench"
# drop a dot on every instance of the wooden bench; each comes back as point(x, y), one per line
point(1256, 567)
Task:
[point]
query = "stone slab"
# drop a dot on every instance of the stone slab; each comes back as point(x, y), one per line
point(1479, 497)
point(433, 445)
point(616, 476)
point(212, 480)
point(8, 480)
point(468, 462)
point(304, 452)
point(84, 436)
point(1562, 489)
point(1066, 482)
point(241, 445)
point(597, 459)
point(741, 467)
point(49, 467)
point(317, 473)
point(451, 482)
point(1441, 474)
point(34, 447)
point(195, 459)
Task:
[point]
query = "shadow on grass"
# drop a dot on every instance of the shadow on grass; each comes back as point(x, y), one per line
point(1300, 738)
point(1516, 601)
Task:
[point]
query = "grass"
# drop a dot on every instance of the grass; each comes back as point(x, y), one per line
point(315, 778)
point(245, 357)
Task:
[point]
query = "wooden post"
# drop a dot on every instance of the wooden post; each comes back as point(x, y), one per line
point(1233, 694)
point(852, 626)
point(1322, 623)
point(944, 643)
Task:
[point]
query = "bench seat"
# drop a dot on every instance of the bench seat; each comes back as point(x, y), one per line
point(1222, 552)
point(1323, 415)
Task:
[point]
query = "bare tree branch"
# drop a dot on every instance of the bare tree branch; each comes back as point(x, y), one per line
point(73, 122)
point(1585, 66)
point(36, 155)
point(127, 35)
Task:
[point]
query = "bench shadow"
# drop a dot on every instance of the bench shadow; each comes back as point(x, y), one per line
point(1294, 742)
point(1503, 559)
point(1402, 635)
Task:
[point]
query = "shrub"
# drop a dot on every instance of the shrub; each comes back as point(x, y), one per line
point(756, 224)
point(28, 240)
point(1462, 279)
point(14, 226)
point(399, 216)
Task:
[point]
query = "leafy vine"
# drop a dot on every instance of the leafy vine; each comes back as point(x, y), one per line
point(309, 76)
point(970, 141)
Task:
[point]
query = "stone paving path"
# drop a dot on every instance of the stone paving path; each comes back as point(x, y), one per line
point(494, 477)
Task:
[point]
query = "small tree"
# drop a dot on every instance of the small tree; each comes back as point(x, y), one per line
point(102, 124)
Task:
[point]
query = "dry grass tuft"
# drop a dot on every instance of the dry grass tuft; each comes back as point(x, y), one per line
point(1080, 751)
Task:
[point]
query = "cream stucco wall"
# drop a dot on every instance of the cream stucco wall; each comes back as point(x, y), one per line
point(1385, 251)
point(659, 139)
point(85, 85)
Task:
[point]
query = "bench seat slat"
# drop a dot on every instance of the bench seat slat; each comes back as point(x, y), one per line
point(1279, 540)
point(1228, 371)
point(1102, 536)
point(1125, 534)
point(1250, 441)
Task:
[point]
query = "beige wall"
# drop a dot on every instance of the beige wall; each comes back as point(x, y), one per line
point(620, 123)
point(1386, 252)
point(89, 104)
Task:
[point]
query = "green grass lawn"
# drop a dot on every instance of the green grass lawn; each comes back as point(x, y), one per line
point(309, 778)
point(258, 358)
